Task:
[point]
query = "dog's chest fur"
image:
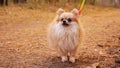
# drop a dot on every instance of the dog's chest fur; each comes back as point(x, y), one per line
point(66, 37)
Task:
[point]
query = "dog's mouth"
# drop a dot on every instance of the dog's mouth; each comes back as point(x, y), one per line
point(65, 23)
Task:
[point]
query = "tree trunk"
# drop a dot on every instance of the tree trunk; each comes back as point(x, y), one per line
point(1, 2)
point(15, 1)
point(6, 2)
point(19, 1)
point(53, 2)
point(22, 1)
point(93, 2)
point(106, 2)
point(117, 3)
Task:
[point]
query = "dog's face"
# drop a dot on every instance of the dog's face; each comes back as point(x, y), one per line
point(67, 18)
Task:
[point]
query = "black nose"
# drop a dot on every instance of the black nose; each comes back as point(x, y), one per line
point(64, 23)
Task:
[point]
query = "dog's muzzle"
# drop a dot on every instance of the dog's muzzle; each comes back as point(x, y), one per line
point(65, 23)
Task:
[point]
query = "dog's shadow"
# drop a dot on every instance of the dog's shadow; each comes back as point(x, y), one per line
point(55, 62)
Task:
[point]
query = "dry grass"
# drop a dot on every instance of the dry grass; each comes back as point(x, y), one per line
point(23, 42)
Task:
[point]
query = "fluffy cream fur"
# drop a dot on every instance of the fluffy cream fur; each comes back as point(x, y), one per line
point(65, 39)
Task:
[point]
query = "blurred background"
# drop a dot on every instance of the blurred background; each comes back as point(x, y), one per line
point(62, 3)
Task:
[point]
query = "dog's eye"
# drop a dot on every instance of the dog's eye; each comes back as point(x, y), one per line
point(62, 19)
point(69, 20)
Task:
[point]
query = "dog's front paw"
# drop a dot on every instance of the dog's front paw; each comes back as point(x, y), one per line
point(72, 59)
point(64, 58)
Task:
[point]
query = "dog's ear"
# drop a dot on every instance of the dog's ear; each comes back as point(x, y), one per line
point(60, 11)
point(75, 11)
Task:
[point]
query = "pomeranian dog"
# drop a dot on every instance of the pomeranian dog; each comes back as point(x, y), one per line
point(64, 34)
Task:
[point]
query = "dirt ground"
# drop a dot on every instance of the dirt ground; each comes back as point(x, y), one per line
point(23, 40)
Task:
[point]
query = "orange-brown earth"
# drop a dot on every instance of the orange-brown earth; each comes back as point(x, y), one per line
point(23, 41)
